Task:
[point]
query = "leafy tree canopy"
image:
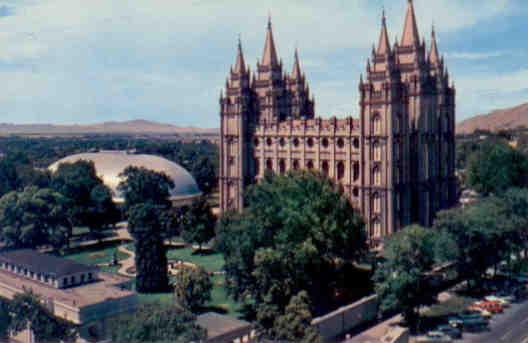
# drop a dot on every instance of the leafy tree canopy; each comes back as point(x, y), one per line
point(32, 218)
point(400, 280)
point(192, 287)
point(142, 185)
point(294, 233)
point(26, 309)
point(496, 167)
point(156, 323)
point(199, 223)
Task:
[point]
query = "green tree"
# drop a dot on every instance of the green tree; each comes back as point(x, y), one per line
point(294, 324)
point(401, 283)
point(147, 229)
point(26, 311)
point(204, 173)
point(294, 234)
point(142, 185)
point(17, 172)
point(199, 223)
point(482, 227)
point(89, 200)
point(156, 323)
point(146, 195)
point(495, 167)
point(32, 218)
point(192, 287)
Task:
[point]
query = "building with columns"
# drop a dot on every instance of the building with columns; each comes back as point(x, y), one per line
point(395, 162)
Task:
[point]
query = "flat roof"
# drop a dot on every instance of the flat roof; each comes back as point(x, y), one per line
point(105, 288)
point(218, 325)
point(40, 263)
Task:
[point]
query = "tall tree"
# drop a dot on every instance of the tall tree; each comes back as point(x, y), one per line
point(495, 167)
point(26, 311)
point(151, 254)
point(199, 223)
point(293, 235)
point(401, 282)
point(146, 195)
point(32, 218)
point(89, 200)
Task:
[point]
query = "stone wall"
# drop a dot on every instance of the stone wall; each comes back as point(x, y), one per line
point(347, 318)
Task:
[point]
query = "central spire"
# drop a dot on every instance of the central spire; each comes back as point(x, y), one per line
point(269, 57)
point(383, 44)
point(240, 65)
point(296, 72)
point(410, 31)
point(434, 56)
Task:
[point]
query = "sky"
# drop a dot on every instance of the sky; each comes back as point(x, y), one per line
point(86, 61)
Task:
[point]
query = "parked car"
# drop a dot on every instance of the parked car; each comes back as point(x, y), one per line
point(450, 331)
point(502, 300)
point(438, 336)
point(483, 312)
point(490, 306)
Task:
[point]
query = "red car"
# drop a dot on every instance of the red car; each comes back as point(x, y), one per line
point(490, 306)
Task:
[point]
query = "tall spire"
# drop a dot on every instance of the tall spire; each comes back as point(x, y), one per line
point(240, 66)
point(383, 44)
point(410, 35)
point(434, 56)
point(269, 57)
point(296, 73)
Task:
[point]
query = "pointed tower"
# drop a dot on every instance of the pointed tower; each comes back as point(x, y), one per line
point(270, 86)
point(237, 119)
point(434, 56)
point(383, 43)
point(299, 93)
point(410, 35)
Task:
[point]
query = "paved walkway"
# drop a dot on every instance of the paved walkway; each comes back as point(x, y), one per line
point(128, 263)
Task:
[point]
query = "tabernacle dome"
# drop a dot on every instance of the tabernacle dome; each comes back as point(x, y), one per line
point(109, 164)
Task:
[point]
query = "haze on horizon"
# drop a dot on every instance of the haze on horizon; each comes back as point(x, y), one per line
point(74, 61)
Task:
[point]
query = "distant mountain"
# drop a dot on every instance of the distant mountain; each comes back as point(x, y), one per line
point(508, 118)
point(125, 127)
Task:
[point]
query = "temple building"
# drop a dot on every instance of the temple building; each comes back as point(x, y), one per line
point(395, 161)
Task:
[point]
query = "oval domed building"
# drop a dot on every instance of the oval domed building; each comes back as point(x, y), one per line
point(109, 164)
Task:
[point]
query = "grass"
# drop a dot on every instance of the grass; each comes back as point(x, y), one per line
point(453, 305)
point(93, 256)
point(211, 262)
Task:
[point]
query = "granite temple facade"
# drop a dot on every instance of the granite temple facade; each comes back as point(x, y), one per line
point(395, 161)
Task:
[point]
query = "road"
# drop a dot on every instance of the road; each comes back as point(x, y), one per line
point(509, 327)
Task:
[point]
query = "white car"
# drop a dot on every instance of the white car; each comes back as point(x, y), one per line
point(504, 301)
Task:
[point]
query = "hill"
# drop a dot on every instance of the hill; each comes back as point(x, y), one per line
point(509, 118)
point(111, 127)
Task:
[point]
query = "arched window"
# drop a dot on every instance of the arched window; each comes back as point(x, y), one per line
point(340, 143)
point(376, 228)
point(296, 165)
point(269, 141)
point(376, 124)
point(269, 164)
point(256, 142)
point(325, 167)
point(355, 171)
point(309, 164)
point(296, 142)
point(282, 166)
point(355, 192)
point(377, 151)
point(257, 166)
point(282, 142)
point(376, 175)
point(376, 203)
point(325, 143)
point(355, 143)
point(310, 142)
point(340, 170)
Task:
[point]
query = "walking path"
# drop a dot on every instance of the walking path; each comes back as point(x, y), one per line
point(127, 263)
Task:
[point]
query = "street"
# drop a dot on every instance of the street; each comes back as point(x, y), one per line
point(509, 327)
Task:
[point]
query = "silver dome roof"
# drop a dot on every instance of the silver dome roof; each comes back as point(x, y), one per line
point(109, 164)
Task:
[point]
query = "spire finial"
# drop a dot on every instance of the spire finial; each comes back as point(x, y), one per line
point(269, 20)
point(383, 16)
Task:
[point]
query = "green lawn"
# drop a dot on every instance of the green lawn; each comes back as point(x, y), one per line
point(211, 262)
point(94, 256)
